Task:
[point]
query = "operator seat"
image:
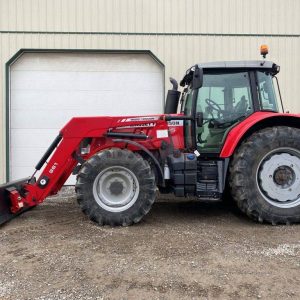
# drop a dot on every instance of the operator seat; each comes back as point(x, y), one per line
point(241, 107)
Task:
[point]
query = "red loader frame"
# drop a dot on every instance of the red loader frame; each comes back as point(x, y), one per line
point(103, 131)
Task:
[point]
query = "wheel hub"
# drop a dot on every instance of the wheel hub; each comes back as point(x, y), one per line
point(279, 178)
point(284, 176)
point(116, 188)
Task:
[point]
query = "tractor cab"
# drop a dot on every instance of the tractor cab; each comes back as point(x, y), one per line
point(218, 95)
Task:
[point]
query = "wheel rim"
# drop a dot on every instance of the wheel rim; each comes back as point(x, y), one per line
point(116, 189)
point(278, 177)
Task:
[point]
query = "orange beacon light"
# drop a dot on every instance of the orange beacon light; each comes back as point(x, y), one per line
point(264, 50)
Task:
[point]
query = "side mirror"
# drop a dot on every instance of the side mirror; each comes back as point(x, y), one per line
point(197, 78)
point(199, 119)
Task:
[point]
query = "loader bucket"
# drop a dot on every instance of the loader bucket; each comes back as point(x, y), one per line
point(5, 204)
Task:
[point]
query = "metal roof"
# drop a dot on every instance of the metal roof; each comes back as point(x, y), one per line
point(263, 64)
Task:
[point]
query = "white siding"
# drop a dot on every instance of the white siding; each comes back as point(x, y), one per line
point(185, 16)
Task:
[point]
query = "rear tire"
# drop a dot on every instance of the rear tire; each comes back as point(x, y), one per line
point(265, 175)
point(116, 187)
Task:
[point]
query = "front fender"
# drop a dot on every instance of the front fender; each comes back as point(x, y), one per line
point(255, 122)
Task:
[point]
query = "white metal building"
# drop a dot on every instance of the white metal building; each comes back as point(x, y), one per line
point(61, 58)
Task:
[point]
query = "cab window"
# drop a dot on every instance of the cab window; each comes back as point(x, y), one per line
point(224, 99)
point(266, 92)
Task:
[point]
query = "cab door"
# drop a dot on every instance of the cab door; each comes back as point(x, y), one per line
point(224, 99)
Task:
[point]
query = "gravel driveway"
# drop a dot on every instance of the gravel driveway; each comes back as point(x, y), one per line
point(181, 250)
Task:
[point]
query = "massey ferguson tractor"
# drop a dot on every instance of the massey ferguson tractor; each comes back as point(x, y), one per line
point(226, 130)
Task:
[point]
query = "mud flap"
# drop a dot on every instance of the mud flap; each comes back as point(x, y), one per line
point(5, 204)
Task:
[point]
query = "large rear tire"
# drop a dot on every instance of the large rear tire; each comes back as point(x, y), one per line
point(265, 175)
point(116, 187)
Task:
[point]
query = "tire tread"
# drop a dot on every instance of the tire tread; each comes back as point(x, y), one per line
point(106, 158)
point(245, 198)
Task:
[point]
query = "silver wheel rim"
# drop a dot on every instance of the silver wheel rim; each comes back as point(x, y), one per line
point(116, 189)
point(278, 177)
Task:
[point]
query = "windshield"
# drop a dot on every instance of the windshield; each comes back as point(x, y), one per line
point(266, 91)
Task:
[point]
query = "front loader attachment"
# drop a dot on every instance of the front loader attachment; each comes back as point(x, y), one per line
point(19, 196)
point(5, 202)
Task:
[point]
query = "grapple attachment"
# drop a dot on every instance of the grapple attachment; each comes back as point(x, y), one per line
point(5, 202)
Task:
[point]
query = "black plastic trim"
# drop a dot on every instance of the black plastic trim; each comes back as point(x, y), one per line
point(225, 164)
point(48, 152)
point(193, 121)
point(127, 135)
point(169, 118)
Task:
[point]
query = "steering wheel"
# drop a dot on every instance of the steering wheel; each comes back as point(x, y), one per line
point(214, 106)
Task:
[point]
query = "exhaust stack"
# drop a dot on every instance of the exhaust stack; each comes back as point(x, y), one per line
point(172, 98)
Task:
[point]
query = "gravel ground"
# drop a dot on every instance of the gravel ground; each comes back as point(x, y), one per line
point(181, 250)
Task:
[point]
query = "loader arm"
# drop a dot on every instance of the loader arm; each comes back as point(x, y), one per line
point(64, 152)
point(18, 197)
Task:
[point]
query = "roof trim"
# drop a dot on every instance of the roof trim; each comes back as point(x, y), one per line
point(243, 64)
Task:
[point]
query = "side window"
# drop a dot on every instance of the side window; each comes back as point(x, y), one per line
point(266, 92)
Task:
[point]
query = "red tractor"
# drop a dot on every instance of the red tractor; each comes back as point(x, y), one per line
point(224, 130)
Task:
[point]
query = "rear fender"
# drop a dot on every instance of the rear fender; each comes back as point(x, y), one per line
point(253, 123)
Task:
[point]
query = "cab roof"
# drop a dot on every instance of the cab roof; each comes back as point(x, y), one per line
point(243, 64)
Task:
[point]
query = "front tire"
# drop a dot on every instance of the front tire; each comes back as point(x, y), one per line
point(116, 187)
point(265, 175)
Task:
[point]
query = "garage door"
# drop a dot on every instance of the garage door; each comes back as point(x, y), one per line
point(47, 89)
